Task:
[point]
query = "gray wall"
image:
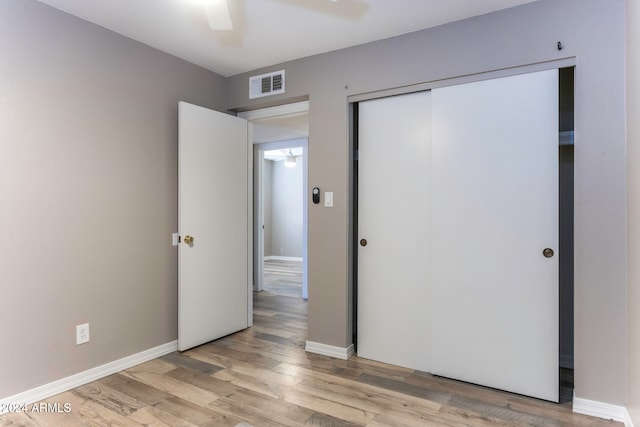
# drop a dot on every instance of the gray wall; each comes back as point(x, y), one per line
point(592, 31)
point(88, 192)
point(633, 153)
point(286, 216)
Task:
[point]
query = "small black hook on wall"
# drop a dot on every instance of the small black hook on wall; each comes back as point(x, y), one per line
point(560, 47)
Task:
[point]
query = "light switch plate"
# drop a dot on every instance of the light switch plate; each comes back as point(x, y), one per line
point(328, 199)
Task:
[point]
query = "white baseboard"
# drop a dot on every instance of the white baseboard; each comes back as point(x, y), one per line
point(330, 350)
point(282, 258)
point(65, 384)
point(601, 410)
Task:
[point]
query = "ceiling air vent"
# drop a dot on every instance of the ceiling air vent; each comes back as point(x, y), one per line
point(266, 84)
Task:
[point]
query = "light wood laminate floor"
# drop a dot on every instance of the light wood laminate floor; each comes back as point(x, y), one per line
point(283, 277)
point(263, 377)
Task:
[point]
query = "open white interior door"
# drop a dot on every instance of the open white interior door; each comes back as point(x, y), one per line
point(214, 268)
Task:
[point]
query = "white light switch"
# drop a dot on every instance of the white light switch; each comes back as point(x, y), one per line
point(328, 199)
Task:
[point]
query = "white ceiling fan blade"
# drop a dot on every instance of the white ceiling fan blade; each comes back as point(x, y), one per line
point(218, 15)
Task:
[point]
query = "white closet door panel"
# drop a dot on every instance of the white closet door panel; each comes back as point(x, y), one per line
point(494, 310)
point(393, 212)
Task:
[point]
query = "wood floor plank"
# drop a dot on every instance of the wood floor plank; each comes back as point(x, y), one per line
point(110, 398)
point(260, 409)
point(245, 356)
point(324, 420)
point(156, 366)
point(94, 414)
point(17, 419)
point(61, 417)
point(384, 420)
point(284, 333)
point(290, 342)
point(327, 407)
point(202, 381)
point(143, 392)
point(154, 417)
point(251, 373)
point(183, 360)
point(404, 388)
point(196, 414)
point(173, 386)
point(212, 357)
point(251, 383)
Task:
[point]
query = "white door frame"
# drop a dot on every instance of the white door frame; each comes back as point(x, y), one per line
point(258, 262)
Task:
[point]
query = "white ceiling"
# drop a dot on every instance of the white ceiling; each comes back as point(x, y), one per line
point(268, 32)
point(281, 154)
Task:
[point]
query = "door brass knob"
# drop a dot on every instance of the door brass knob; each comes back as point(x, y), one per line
point(363, 242)
point(548, 252)
point(188, 239)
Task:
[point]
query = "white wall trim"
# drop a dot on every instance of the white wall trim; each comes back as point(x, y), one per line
point(602, 410)
point(278, 110)
point(470, 78)
point(330, 350)
point(282, 258)
point(65, 384)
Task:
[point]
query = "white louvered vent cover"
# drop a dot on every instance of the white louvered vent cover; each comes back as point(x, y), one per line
point(266, 84)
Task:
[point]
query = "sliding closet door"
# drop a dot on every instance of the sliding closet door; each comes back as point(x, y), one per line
point(494, 311)
point(393, 227)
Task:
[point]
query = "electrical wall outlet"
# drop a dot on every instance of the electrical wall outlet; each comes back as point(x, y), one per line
point(82, 334)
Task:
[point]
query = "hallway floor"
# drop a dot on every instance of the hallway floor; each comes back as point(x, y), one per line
point(283, 278)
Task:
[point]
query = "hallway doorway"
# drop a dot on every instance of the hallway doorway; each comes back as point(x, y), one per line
point(280, 141)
